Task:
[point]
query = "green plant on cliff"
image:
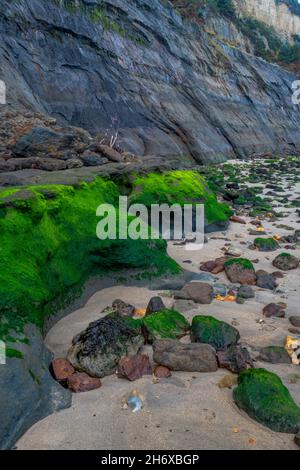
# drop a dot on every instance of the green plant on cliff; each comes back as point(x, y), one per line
point(179, 187)
point(48, 247)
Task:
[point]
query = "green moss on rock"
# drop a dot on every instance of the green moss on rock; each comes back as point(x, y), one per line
point(264, 398)
point(48, 248)
point(245, 263)
point(179, 187)
point(166, 323)
point(266, 244)
point(209, 330)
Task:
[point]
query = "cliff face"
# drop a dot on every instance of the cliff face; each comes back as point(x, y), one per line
point(275, 13)
point(133, 67)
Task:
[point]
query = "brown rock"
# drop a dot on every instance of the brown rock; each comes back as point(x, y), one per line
point(208, 266)
point(236, 359)
point(295, 321)
point(62, 369)
point(194, 357)
point(218, 269)
point(278, 275)
point(81, 382)
point(237, 273)
point(162, 372)
point(274, 310)
point(134, 367)
point(199, 292)
point(294, 330)
point(297, 439)
point(111, 153)
point(237, 220)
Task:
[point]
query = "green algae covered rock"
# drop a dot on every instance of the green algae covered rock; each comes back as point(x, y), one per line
point(209, 330)
point(240, 270)
point(286, 262)
point(266, 244)
point(180, 187)
point(166, 323)
point(264, 398)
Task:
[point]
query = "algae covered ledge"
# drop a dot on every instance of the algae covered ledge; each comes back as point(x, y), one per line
point(49, 246)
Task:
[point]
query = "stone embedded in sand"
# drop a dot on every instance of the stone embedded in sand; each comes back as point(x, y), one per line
point(236, 359)
point(295, 321)
point(155, 305)
point(82, 382)
point(240, 270)
point(286, 262)
point(228, 381)
point(199, 292)
point(185, 357)
point(122, 308)
point(208, 266)
point(262, 395)
point(266, 244)
point(246, 292)
point(62, 369)
point(237, 220)
point(274, 310)
point(297, 439)
point(265, 280)
point(166, 323)
point(98, 349)
point(274, 355)
point(209, 330)
point(134, 367)
point(162, 372)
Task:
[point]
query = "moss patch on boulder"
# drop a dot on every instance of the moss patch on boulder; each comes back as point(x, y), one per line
point(264, 398)
point(209, 330)
point(166, 323)
point(266, 244)
point(179, 187)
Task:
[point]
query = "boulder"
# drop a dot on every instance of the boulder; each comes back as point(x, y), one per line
point(134, 367)
point(240, 270)
point(274, 355)
point(209, 330)
point(155, 305)
point(122, 308)
point(262, 395)
point(199, 292)
point(295, 321)
point(61, 369)
point(237, 220)
point(185, 357)
point(164, 324)
point(274, 310)
point(162, 372)
point(98, 349)
point(286, 262)
point(93, 159)
point(111, 154)
point(246, 292)
point(236, 359)
point(266, 244)
point(82, 382)
point(265, 280)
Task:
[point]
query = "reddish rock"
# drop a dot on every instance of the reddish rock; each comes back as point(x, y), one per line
point(133, 367)
point(274, 310)
point(218, 269)
point(278, 275)
point(111, 153)
point(81, 382)
point(62, 369)
point(237, 220)
point(208, 266)
point(162, 372)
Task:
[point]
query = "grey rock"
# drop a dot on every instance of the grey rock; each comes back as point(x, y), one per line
point(93, 159)
point(155, 305)
point(185, 357)
point(199, 292)
point(274, 355)
point(236, 359)
point(98, 349)
point(286, 262)
point(265, 280)
point(246, 292)
point(295, 321)
point(28, 392)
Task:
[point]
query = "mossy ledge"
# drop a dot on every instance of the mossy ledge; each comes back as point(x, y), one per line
point(49, 248)
point(264, 398)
